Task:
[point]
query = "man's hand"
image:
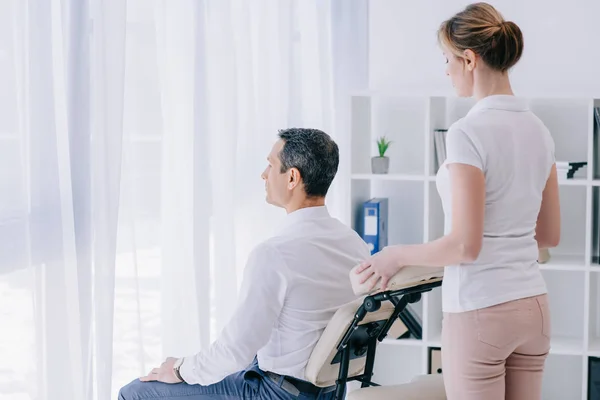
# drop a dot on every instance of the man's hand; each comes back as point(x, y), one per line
point(163, 374)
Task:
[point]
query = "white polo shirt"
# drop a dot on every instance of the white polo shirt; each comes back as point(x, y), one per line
point(515, 151)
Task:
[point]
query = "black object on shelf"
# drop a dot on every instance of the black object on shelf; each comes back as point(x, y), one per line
point(573, 167)
point(594, 378)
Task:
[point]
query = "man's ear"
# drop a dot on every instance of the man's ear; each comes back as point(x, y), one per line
point(294, 178)
point(470, 59)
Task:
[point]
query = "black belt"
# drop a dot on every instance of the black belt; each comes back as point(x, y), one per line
point(300, 385)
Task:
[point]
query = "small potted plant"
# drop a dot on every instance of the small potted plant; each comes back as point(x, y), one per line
point(381, 164)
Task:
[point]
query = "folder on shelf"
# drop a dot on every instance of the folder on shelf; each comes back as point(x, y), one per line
point(375, 224)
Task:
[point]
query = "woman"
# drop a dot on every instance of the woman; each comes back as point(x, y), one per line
point(499, 193)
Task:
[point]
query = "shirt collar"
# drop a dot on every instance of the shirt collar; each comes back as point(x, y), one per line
point(306, 213)
point(501, 102)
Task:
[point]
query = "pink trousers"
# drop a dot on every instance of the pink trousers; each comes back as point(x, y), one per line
point(498, 352)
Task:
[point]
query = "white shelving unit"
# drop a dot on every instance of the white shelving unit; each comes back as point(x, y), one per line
point(415, 216)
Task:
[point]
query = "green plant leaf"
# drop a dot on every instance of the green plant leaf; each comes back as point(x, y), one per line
point(383, 144)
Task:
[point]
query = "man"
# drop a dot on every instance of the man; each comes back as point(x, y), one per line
point(293, 284)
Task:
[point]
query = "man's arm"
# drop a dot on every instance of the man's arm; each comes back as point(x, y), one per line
point(261, 299)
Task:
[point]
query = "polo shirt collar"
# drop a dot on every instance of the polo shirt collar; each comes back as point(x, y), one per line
point(501, 102)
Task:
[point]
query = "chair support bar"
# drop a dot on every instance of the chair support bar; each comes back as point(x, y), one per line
point(400, 299)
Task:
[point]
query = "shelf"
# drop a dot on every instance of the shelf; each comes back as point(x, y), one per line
point(403, 227)
point(560, 345)
point(594, 349)
point(574, 182)
point(436, 341)
point(566, 346)
point(401, 120)
point(566, 290)
point(562, 262)
point(559, 267)
point(433, 317)
point(563, 376)
point(431, 178)
point(397, 364)
point(436, 214)
point(416, 215)
point(568, 121)
point(573, 216)
point(390, 177)
point(405, 91)
point(594, 314)
point(402, 342)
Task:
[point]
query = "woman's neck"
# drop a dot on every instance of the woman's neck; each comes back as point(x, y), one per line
point(489, 83)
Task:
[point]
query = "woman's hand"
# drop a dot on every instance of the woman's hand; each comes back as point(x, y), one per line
point(382, 265)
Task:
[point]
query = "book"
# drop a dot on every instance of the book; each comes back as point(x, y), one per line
point(439, 142)
point(596, 191)
point(595, 225)
point(596, 143)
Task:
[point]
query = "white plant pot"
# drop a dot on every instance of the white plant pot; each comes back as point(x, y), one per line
point(380, 165)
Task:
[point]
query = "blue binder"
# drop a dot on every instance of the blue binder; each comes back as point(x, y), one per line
point(375, 224)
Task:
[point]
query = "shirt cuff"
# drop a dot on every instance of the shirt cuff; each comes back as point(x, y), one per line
point(187, 371)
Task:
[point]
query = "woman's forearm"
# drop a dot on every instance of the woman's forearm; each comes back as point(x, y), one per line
point(447, 250)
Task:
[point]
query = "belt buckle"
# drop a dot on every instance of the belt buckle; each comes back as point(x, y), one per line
point(290, 388)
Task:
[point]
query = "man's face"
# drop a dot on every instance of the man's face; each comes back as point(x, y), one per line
point(276, 183)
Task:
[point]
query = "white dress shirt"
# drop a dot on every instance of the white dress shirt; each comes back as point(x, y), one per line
point(293, 284)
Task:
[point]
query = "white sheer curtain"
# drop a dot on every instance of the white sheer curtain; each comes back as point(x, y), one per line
point(132, 138)
point(61, 150)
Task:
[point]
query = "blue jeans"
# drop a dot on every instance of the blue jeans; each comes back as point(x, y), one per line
point(248, 384)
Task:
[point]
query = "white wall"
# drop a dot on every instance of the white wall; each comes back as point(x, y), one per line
point(561, 56)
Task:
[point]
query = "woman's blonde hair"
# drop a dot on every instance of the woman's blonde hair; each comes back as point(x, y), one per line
point(482, 29)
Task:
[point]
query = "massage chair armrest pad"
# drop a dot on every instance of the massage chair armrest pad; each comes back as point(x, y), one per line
point(409, 276)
